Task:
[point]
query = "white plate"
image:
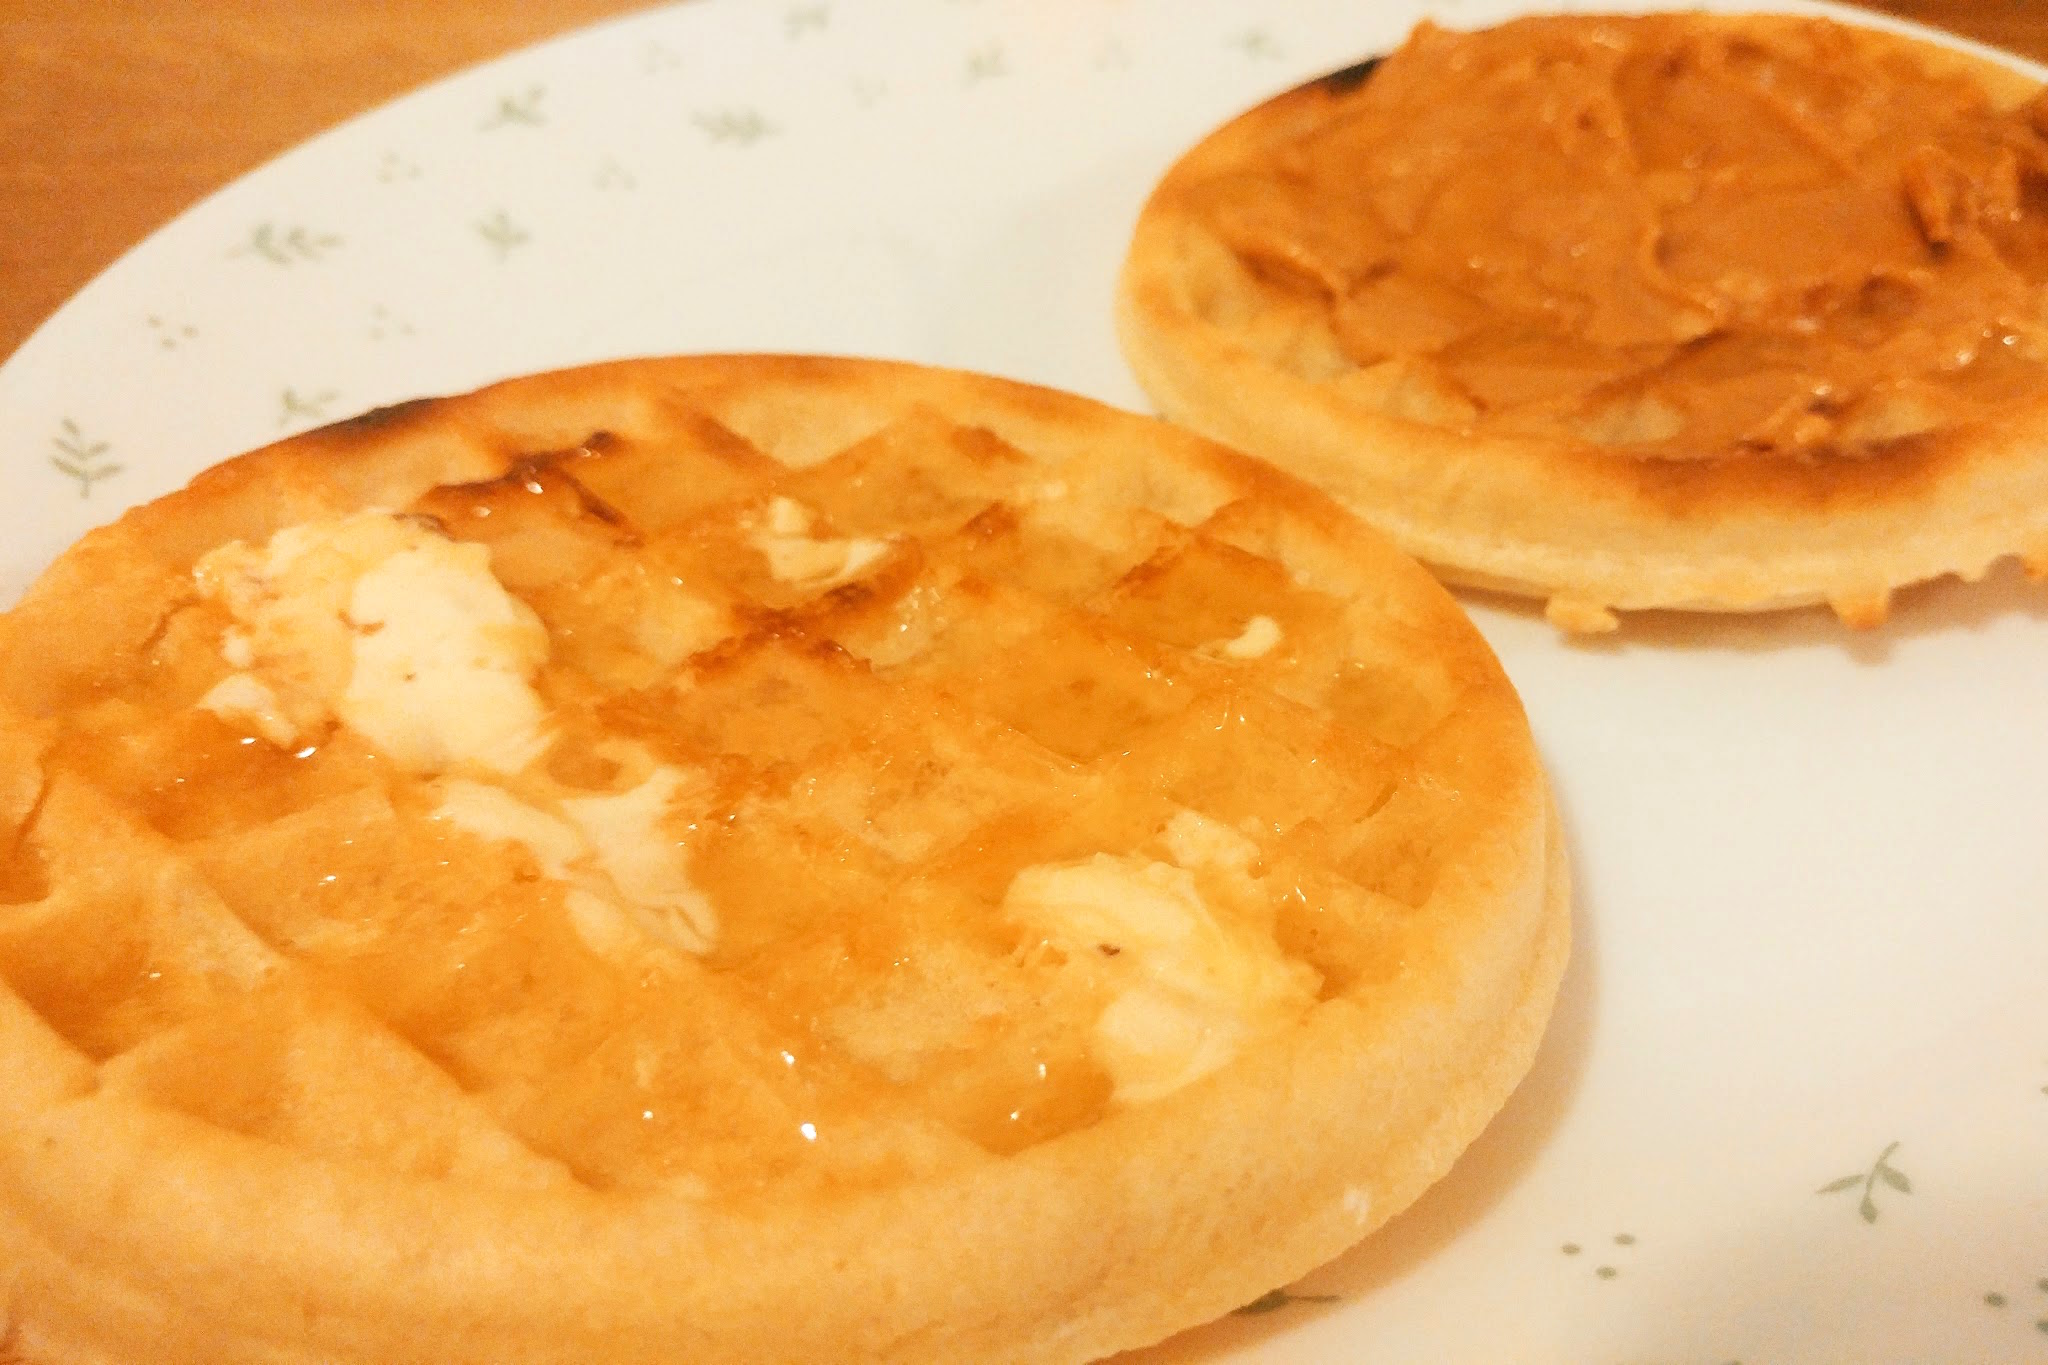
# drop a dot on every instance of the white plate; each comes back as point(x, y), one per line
point(1794, 1106)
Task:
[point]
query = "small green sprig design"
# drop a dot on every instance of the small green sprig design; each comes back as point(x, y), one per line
point(294, 406)
point(522, 109)
point(1880, 1170)
point(1994, 1299)
point(503, 234)
point(986, 64)
point(394, 168)
point(741, 127)
point(1257, 44)
point(287, 246)
point(81, 460)
point(1275, 1299)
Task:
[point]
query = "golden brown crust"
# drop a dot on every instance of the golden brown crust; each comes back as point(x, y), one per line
point(1580, 523)
point(138, 1223)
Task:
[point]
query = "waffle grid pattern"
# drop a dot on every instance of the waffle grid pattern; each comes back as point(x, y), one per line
point(1034, 667)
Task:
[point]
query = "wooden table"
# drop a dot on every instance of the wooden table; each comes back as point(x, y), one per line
point(117, 114)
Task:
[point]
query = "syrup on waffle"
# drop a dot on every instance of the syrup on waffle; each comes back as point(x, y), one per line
point(740, 859)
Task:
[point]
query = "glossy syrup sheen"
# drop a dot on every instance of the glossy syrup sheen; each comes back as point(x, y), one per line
point(866, 761)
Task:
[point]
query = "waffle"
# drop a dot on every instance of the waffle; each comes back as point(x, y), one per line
point(740, 859)
point(1715, 313)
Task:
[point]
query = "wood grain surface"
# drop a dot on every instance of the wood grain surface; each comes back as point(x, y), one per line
point(115, 115)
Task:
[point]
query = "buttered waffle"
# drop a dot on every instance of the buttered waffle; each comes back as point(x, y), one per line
point(1706, 312)
point(739, 859)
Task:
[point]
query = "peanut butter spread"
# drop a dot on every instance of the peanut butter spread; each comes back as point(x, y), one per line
point(1671, 237)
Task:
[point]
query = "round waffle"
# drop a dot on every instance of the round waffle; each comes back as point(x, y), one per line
point(1685, 311)
point(740, 859)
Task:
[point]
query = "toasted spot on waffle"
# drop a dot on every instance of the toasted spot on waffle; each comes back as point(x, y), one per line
point(1526, 299)
point(539, 875)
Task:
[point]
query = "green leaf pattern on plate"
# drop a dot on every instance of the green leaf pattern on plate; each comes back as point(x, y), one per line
point(83, 461)
point(738, 127)
point(1258, 44)
point(1881, 1172)
point(286, 246)
point(1275, 1299)
point(170, 336)
point(395, 167)
point(1998, 1299)
point(519, 110)
point(987, 63)
point(801, 19)
point(1604, 1270)
point(385, 324)
point(295, 407)
point(504, 235)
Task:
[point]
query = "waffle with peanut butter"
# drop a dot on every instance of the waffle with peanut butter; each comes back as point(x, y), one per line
point(740, 859)
point(1719, 313)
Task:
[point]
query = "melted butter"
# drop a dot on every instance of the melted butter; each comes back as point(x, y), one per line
point(1188, 988)
point(643, 862)
point(1260, 636)
point(387, 625)
point(796, 554)
point(628, 877)
point(247, 698)
point(671, 623)
point(490, 812)
point(1197, 842)
point(442, 658)
point(1667, 238)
